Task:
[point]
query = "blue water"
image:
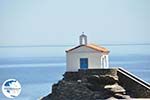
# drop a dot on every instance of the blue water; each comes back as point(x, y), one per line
point(38, 71)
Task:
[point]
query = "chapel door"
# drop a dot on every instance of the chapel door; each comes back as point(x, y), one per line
point(83, 63)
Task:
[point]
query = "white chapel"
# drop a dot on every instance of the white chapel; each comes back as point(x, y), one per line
point(86, 56)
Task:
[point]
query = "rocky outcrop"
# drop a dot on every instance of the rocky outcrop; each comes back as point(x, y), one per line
point(91, 86)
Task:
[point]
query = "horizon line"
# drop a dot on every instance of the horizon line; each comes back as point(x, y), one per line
point(61, 45)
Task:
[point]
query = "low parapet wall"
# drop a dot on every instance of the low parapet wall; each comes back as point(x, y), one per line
point(111, 71)
point(134, 86)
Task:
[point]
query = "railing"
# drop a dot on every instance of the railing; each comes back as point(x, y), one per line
point(133, 77)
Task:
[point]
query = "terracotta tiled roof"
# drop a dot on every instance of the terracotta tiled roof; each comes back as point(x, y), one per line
point(92, 46)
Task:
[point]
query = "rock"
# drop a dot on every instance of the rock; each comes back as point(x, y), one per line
point(79, 81)
point(115, 88)
point(94, 80)
point(112, 98)
point(108, 79)
point(70, 91)
point(120, 96)
point(102, 79)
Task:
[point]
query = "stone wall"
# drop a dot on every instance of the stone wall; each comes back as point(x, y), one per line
point(133, 88)
point(74, 76)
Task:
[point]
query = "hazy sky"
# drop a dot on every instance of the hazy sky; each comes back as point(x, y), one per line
point(34, 22)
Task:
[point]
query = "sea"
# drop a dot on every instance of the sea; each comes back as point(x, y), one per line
point(37, 68)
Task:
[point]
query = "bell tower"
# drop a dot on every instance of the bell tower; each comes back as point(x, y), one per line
point(83, 39)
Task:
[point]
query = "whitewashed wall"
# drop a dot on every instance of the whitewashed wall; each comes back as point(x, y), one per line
point(73, 58)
